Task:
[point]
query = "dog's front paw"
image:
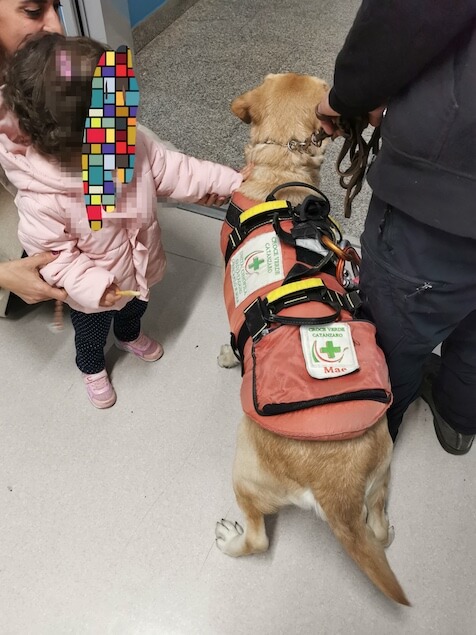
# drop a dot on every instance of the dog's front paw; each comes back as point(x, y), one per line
point(229, 537)
point(226, 358)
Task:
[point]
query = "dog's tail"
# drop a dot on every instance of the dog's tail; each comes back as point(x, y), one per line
point(364, 548)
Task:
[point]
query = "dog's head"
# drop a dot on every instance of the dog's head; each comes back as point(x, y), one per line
point(282, 107)
point(282, 110)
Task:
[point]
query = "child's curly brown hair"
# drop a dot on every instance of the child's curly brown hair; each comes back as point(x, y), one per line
point(48, 87)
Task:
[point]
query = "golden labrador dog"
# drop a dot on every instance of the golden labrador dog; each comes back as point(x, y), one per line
point(346, 481)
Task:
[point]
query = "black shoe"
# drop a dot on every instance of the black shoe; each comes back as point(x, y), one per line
point(452, 441)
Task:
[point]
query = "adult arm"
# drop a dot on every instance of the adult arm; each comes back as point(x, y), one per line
point(43, 229)
point(389, 44)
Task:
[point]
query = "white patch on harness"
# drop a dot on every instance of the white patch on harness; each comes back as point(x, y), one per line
point(258, 263)
point(328, 350)
point(312, 244)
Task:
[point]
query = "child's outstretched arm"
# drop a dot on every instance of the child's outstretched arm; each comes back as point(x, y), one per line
point(43, 230)
point(187, 179)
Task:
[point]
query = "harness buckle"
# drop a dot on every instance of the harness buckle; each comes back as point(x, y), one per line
point(255, 319)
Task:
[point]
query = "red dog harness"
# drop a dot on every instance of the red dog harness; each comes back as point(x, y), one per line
point(310, 369)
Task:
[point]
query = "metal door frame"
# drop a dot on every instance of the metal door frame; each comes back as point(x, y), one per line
point(69, 13)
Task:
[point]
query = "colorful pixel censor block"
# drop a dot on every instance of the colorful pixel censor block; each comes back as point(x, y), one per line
point(109, 140)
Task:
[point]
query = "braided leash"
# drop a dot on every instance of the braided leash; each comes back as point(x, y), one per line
point(360, 153)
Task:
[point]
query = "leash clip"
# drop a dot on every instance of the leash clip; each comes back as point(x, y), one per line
point(299, 146)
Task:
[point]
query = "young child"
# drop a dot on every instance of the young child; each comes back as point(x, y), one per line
point(48, 89)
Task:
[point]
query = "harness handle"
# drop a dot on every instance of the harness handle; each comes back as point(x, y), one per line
point(305, 321)
point(301, 292)
point(271, 195)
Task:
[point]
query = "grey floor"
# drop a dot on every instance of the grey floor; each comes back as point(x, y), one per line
point(219, 49)
point(107, 517)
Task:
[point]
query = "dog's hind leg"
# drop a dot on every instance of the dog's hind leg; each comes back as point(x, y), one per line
point(376, 495)
point(377, 518)
point(256, 494)
point(233, 540)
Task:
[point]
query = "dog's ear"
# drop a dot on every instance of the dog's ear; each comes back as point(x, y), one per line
point(241, 107)
point(245, 107)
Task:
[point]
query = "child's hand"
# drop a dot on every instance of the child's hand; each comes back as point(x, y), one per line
point(247, 171)
point(211, 199)
point(218, 201)
point(109, 297)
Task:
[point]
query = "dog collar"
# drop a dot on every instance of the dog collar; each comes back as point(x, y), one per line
point(294, 145)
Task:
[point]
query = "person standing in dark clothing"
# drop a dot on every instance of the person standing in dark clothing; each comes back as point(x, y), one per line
point(411, 66)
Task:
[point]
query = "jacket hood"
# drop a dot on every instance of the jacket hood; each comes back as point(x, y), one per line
point(25, 168)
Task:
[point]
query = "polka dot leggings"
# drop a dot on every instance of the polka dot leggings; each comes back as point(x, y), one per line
point(92, 329)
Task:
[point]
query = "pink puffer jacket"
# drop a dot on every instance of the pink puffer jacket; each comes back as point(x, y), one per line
point(128, 249)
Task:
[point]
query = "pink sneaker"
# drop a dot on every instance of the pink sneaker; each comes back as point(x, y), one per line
point(100, 392)
point(143, 347)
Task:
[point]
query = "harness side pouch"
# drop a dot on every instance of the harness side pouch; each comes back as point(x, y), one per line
point(278, 382)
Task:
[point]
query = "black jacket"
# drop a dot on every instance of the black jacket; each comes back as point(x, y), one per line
point(419, 57)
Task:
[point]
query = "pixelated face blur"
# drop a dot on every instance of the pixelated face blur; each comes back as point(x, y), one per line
point(20, 18)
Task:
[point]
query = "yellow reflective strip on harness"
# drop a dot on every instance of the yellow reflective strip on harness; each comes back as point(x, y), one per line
point(293, 287)
point(261, 208)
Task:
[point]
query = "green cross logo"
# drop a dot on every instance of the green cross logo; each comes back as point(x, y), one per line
point(255, 264)
point(330, 350)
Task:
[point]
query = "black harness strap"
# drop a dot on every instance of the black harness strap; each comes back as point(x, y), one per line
point(233, 214)
point(260, 314)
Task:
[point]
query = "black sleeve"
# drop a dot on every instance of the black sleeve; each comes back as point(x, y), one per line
point(389, 44)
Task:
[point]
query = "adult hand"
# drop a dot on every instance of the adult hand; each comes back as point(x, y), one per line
point(323, 109)
point(376, 116)
point(327, 116)
point(110, 297)
point(22, 277)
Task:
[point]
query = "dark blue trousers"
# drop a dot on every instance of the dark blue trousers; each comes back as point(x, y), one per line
point(92, 329)
point(419, 287)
